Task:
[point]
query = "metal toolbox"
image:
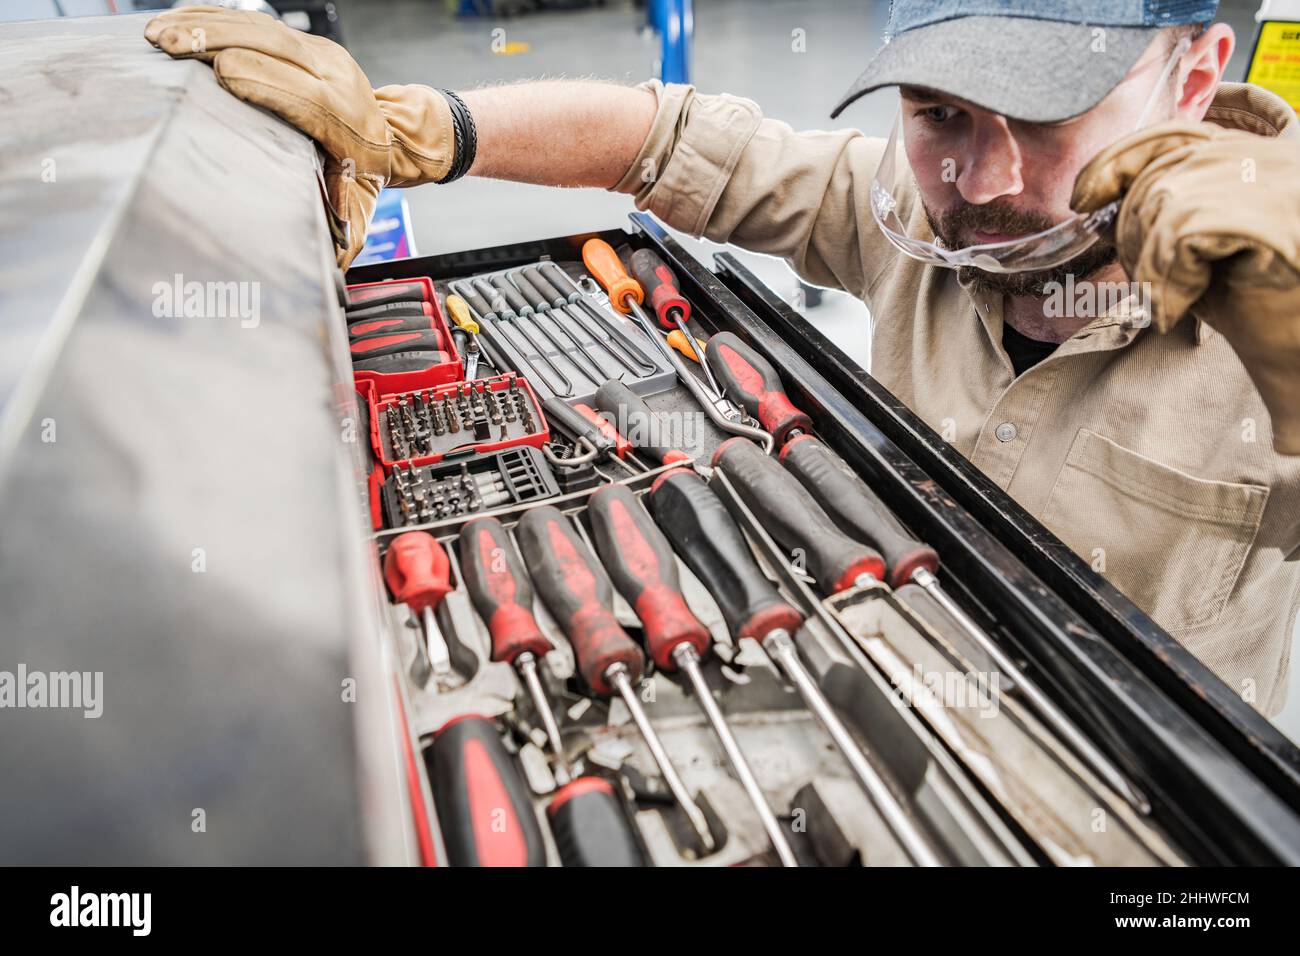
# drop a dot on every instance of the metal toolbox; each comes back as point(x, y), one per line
point(202, 530)
point(1198, 777)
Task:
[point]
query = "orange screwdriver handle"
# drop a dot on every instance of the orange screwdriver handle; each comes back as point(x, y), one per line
point(417, 571)
point(607, 268)
point(690, 348)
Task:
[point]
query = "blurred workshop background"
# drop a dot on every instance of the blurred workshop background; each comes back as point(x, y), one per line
point(793, 57)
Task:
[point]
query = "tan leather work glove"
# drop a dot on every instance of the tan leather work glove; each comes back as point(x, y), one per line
point(392, 136)
point(1212, 215)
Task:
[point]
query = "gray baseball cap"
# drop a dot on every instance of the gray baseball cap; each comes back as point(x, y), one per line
point(1040, 61)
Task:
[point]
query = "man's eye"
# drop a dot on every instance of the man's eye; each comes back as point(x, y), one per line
point(937, 114)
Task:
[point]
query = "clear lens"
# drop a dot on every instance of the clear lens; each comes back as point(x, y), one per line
point(1031, 253)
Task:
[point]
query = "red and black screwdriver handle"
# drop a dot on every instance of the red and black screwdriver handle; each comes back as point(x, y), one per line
point(483, 805)
point(591, 827)
point(794, 519)
point(417, 571)
point(633, 418)
point(747, 378)
point(707, 538)
point(853, 506)
point(385, 293)
point(398, 362)
point(576, 591)
point(500, 590)
point(640, 562)
point(621, 445)
point(389, 310)
point(389, 323)
point(660, 288)
point(390, 343)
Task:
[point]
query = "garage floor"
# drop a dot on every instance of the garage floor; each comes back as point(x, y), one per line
point(741, 46)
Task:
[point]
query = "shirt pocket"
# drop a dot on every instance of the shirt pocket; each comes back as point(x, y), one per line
point(1172, 543)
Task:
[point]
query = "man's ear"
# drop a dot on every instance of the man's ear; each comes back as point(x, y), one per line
point(1201, 70)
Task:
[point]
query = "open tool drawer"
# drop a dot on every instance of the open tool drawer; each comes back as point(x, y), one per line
point(1039, 717)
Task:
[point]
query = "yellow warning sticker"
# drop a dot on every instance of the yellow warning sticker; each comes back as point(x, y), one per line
point(1276, 63)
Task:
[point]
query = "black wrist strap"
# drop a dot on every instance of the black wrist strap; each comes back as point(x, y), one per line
point(466, 138)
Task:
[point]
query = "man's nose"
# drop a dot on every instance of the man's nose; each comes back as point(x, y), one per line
point(993, 164)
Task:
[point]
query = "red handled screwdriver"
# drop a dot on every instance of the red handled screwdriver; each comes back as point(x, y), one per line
point(591, 828)
point(499, 587)
point(752, 381)
point(747, 378)
point(398, 323)
point(389, 310)
point(578, 594)
point(641, 564)
point(402, 362)
point(626, 295)
point(659, 286)
point(417, 573)
point(391, 343)
point(707, 538)
point(634, 419)
point(484, 810)
point(794, 519)
point(851, 505)
point(387, 292)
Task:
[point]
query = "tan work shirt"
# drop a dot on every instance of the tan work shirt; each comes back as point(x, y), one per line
point(1149, 455)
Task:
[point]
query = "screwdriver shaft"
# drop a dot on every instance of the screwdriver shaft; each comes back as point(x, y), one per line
point(526, 664)
point(781, 647)
point(1075, 740)
point(617, 676)
point(689, 661)
point(439, 653)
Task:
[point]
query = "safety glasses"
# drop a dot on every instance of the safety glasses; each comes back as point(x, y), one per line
point(1030, 253)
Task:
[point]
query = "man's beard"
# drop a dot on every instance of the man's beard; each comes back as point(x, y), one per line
point(1000, 220)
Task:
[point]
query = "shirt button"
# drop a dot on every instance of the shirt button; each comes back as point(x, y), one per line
point(1005, 432)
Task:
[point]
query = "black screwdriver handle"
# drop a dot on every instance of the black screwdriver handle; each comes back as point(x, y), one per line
point(497, 303)
point(791, 516)
point(512, 296)
point(484, 811)
point(640, 562)
point(854, 507)
point(561, 280)
point(660, 287)
point(591, 827)
point(498, 585)
point(746, 377)
point(471, 294)
point(545, 286)
point(633, 418)
point(523, 282)
point(576, 592)
point(707, 538)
